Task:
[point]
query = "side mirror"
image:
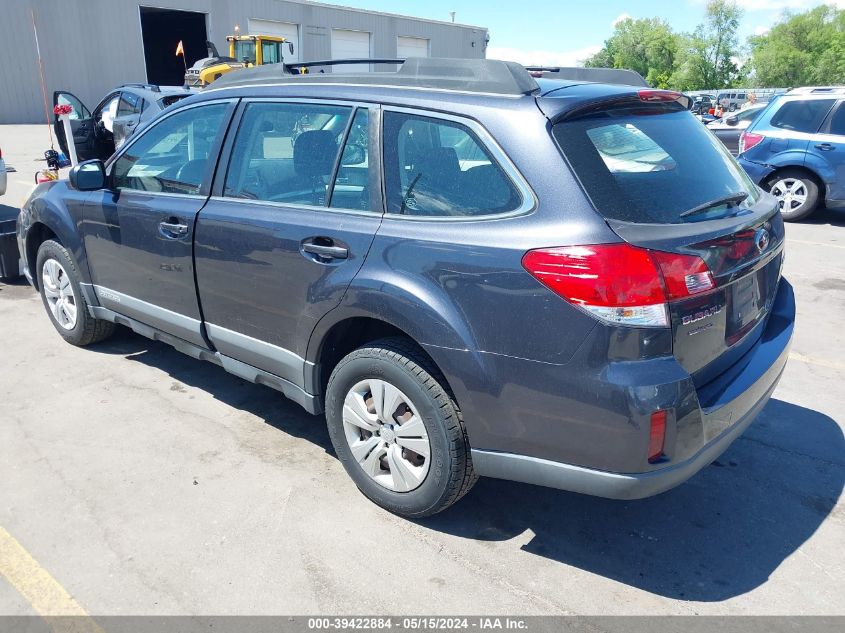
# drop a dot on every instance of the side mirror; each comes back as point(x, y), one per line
point(88, 176)
point(731, 120)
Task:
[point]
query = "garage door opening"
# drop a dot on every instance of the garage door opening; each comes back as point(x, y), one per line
point(161, 30)
point(351, 45)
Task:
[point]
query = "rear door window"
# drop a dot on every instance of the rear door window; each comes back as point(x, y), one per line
point(351, 188)
point(438, 167)
point(837, 121)
point(802, 116)
point(649, 165)
point(129, 104)
point(286, 152)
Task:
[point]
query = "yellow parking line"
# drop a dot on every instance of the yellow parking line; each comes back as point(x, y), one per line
point(801, 358)
point(42, 591)
point(815, 243)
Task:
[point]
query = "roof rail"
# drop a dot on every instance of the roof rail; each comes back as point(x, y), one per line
point(439, 73)
point(153, 87)
point(594, 75)
point(294, 67)
point(818, 90)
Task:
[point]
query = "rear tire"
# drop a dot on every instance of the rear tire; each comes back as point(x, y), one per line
point(797, 193)
point(58, 283)
point(397, 431)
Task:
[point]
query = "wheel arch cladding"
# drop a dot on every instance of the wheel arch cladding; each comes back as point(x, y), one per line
point(779, 171)
point(346, 329)
point(46, 218)
point(37, 234)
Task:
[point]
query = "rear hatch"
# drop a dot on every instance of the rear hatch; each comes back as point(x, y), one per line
point(663, 182)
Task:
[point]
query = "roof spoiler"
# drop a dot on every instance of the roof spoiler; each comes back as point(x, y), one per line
point(618, 76)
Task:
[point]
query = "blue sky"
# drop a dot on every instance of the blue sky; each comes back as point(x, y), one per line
point(564, 32)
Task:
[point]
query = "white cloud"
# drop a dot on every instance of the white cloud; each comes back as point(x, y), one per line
point(621, 18)
point(761, 30)
point(542, 58)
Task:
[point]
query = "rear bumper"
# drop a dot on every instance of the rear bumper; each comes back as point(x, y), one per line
point(737, 397)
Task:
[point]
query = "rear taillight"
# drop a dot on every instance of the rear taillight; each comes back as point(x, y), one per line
point(657, 96)
point(619, 283)
point(684, 275)
point(656, 436)
point(747, 140)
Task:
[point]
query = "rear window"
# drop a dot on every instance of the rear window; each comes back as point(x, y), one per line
point(651, 165)
point(169, 100)
point(802, 116)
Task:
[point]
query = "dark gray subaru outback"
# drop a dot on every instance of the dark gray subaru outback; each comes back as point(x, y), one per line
point(470, 271)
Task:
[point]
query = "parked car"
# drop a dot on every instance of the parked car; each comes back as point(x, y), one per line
point(98, 133)
point(731, 101)
point(795, 149)
point(702, 104)
point(468, 271)
point(729, 128)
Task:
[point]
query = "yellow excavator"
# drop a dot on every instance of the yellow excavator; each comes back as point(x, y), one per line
point(244, 51)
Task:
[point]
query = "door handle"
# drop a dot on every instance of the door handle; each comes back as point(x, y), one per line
point(325, 248)
point(173, 229)
point(825, 147)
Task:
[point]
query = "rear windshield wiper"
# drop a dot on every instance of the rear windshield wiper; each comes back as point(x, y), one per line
point(734, 198)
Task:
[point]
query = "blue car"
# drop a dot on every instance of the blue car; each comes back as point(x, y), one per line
point(796, 150)
point(471, 273)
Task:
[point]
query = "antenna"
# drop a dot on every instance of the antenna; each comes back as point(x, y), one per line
point(452, 15)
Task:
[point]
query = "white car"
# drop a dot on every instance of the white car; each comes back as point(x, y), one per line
point(2, 173)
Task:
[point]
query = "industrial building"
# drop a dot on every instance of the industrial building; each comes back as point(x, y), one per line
point(91, 46)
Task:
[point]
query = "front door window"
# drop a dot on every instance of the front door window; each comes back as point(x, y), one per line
point(173, 156)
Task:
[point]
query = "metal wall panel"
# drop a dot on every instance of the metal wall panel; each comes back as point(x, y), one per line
point(91, 46)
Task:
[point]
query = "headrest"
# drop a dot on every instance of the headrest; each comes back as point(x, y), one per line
point(439, 166)
point(314, 153)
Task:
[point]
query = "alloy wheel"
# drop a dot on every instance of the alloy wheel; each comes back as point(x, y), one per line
point(791, 193)
point(386, 435)
point(59, 294)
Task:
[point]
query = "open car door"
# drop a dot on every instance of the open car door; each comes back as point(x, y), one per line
point(81, 124)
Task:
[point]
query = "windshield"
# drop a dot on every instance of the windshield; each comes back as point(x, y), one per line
point(245, 51)
point(650, 165)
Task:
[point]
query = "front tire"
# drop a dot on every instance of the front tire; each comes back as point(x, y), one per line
point(58, 283)
point(397, 431)
point(797, 194)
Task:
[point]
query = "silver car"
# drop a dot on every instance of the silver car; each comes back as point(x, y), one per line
point(99, 134)
point(730, 127)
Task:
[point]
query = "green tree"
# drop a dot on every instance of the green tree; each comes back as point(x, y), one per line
point(706, 57)
point(647, 46)
point(803, 49)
